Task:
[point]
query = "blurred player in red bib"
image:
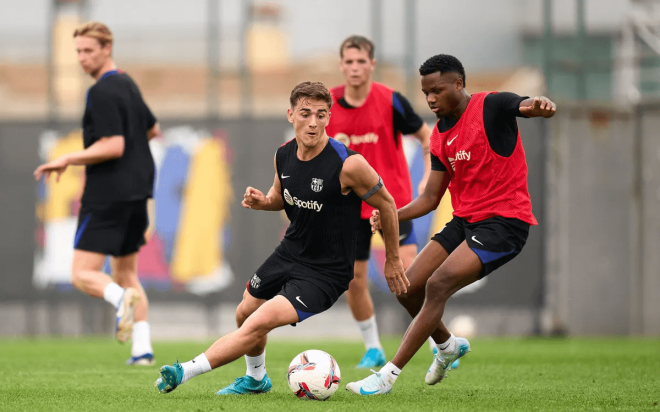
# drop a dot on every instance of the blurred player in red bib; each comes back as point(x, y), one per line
point(370, 118)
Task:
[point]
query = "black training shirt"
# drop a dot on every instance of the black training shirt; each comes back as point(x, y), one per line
point(115, 108)
point(404, 118)
point(500, 112)
point(324, 221)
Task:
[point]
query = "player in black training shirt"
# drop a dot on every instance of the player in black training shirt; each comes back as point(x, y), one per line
point(320, 184)
point(119, 177)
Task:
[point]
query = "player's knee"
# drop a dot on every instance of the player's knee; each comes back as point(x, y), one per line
point(76, 277)
point(357, 285)
point(242, 314)
point(438, 287)
point(245, 308)
point(257, 329)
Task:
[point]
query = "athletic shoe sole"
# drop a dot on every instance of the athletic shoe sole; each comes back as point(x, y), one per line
point(129, 303)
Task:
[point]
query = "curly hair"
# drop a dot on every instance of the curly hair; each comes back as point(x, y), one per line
point(442, 63)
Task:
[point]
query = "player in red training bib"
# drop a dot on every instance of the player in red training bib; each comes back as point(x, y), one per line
point(370, 118)
point(477, 152)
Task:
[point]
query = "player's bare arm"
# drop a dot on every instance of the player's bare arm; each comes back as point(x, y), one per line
point(358, 176)
point(153, 132)
point(425, 203)
point(104, 149)
point(537, 107)
point(255, 199)
point(424, 137)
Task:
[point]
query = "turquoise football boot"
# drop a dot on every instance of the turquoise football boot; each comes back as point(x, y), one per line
point(170, 377)
point(247, 385)
point(373, 358)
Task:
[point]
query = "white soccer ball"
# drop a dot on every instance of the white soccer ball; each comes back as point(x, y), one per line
point(314, 375)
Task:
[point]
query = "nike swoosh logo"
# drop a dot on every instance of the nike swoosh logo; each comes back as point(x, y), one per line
point(401, 237)
point(451, 141)
point(298, 299)
point(285, 177)
point(395, 374)
point(259, 365)
point(193, 361)
point(363, 392)
point(475, 240)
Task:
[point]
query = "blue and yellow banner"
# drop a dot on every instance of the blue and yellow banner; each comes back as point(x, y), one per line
point(188, 233)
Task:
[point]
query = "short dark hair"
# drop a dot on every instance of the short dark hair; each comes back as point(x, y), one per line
point(357, 42)
point(310, 90)
point(442, 63)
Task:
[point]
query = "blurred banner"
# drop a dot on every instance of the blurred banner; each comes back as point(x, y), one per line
point(200, 237)
point(188, 233)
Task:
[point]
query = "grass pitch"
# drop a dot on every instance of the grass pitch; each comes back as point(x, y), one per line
point(499, 374)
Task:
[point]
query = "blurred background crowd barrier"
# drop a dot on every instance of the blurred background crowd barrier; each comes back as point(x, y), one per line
point(217, 74)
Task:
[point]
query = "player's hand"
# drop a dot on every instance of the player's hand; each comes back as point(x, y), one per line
point(375, 221)
point(541, 106)
point(58, 166)
point(254, 199)
point(396, 276)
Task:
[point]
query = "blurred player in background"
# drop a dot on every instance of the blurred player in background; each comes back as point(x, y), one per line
point(370, 118)
point(119, 177)
point(477, 152)
point(320, 184)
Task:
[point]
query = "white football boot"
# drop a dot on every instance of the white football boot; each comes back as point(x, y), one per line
point(442, 362)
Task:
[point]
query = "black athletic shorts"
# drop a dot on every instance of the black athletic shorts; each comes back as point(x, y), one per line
point(495, 241)
point(309, 291)
point(115, 229)
point(363, 248)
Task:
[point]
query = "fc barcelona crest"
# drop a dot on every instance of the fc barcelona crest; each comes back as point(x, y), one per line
point(317, 184)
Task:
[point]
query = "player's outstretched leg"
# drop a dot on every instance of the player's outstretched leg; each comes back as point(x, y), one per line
point(272, 314)
point(256, 379)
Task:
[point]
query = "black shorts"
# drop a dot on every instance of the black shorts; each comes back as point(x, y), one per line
point(309, 291)
point(115, 229)
point(363, 248)
point(495, 241)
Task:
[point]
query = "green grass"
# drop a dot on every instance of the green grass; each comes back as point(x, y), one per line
point(499, 374)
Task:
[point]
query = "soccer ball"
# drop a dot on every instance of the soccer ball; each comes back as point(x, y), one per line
point(313, 375)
